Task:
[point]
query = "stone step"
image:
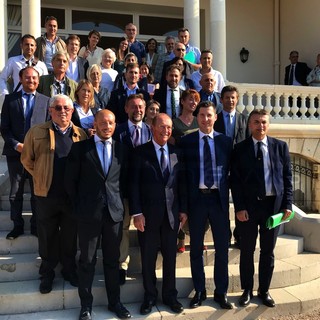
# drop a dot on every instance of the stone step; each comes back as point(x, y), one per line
point(25, 266)
point(6, 224)
point(24, 297)
point(5, 203)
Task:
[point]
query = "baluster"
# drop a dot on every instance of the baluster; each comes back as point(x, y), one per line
point(259, 100)
point(294, 108)
point(268, 106)
point(240, 106)
point(312, 108)
point(277, 107)
point(250, 105)
point(303, 108)
point(286, 107)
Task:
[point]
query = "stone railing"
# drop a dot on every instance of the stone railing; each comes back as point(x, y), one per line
point(286, 104)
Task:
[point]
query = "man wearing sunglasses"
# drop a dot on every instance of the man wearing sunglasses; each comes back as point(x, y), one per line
point(179, 52)
point(46, 147)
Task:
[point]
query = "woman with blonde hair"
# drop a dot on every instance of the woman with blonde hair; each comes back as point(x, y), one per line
point(101, 95)
point(84, 107)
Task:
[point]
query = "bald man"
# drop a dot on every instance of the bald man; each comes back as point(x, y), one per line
point(95, 176)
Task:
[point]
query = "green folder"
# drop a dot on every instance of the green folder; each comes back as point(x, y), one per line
point(276, 220)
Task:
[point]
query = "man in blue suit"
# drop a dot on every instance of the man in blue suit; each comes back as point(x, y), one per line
point(132, 133)
point(206, 156)
point(261, 184)
point(20, 111)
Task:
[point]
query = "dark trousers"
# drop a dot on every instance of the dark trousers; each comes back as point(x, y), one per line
point(57, 235)
point(90, 235)
point(248, 230)
point(208, 206)
point(18, 176)
point(153, 238)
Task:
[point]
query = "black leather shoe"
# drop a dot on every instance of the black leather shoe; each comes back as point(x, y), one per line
point(15, 233)
point(122, 276)
point(222, 299)
point(45, 285)
point(146, 307)
point(85, 313)
point(175, 306)
point(245, 298)
point(120, 311)
point(197, 299)
point(72, 277)
point(266, 299)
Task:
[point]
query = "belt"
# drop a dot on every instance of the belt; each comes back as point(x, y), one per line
point(208, 191)
point(265, 198)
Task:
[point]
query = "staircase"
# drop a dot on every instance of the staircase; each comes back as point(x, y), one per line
point(295, 285)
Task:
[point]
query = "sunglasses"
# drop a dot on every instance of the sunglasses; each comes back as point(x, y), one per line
point(59, 108)
point(180, 49)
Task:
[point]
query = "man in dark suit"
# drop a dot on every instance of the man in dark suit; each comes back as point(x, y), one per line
point(233, 124)
point(57, 82)
point(94, 180)
point(207, 92)
point(261, 184)
point(154, 204)
point(169, 95)
point(132, 133)
point(296, 72)
point(20, 111)
point(119, 96)
point(206, 157)
point(78, 66)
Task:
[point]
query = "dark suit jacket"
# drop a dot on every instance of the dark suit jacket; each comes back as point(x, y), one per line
point(160, 95)
point(13, 120)
point(122, 134)
point(91, 192)
point(148, 193)
point(217, 97)
point(46, 82)
point(244, 180)
point(301, 72)
point(191, 161)
point(241, 130)
point(118, 100)
point(76, 119)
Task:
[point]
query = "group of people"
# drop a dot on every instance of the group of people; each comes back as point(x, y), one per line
point(95, 157)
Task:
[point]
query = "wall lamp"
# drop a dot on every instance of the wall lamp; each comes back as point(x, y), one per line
point(244, 55)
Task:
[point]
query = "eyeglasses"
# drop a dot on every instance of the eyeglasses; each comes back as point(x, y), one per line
point(59, 108)
point(180, 49)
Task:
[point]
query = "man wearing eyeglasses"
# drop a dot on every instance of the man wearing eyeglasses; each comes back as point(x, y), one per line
point(296, 72)
point(46, 147)
point(179, 52)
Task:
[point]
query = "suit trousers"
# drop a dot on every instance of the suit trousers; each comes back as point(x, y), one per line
point(153, 238)
point(208, 206)
point(18, 175)
point(259, 212)
point(125, 243)
point(90, 234)
point(57, 235)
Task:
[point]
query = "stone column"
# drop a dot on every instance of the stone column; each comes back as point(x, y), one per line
point(3, 34)
point(218, 35)
point(192, 20)
point(31, 17)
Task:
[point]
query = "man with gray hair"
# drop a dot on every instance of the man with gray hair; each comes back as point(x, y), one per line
point(164, 57)
point(46, 147)
point(57, 82)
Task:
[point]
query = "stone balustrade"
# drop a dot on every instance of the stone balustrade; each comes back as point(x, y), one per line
point(297, 104)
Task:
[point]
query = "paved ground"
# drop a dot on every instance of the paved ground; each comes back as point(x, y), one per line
point(314, 315)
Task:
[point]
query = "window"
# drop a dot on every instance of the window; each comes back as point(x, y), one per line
point(57, 13)
point(159, 26)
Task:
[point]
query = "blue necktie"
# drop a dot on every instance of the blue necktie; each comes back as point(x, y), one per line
point(29, 110)
point(260, 172)
point(164, 166)
point(207, 161)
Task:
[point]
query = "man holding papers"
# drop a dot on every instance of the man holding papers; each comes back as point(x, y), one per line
point(261, 184)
